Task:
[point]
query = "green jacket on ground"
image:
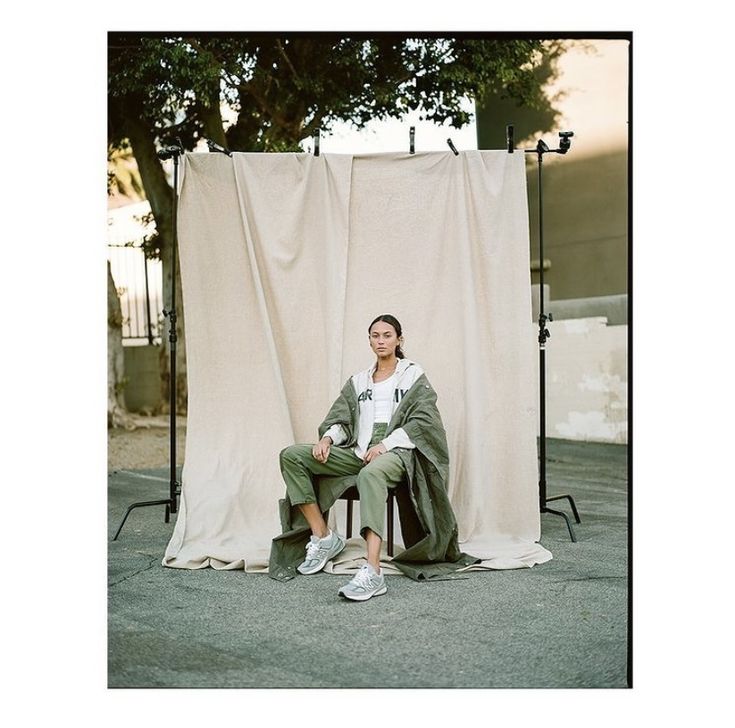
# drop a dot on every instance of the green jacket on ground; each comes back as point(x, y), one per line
point(428, 524)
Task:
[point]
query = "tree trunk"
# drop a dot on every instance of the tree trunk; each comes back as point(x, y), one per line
point(117, 412)
point(160, 196)
point(211, 116)
point(165, 353)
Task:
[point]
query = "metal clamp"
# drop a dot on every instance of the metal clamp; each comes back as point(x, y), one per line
point(543, 332)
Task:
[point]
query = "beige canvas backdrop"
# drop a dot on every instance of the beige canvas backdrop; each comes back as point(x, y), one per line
point(285, 260)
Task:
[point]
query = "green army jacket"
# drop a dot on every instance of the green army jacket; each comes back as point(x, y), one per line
point(428, 524)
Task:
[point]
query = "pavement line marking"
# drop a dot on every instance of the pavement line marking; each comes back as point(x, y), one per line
point(143, 475)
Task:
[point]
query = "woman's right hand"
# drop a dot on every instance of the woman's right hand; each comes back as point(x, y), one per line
point(320, 451)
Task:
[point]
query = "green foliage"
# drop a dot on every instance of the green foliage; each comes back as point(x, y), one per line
point(283, 87)
point(501, 104)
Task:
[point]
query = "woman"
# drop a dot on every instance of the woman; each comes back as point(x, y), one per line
point(385, 428)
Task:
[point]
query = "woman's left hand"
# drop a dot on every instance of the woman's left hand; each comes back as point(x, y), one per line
point(374, 451)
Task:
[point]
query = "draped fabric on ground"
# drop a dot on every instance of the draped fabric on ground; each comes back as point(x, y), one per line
point(285, 260)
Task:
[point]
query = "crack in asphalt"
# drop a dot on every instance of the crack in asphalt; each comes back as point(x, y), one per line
point(586, 578)
point(153, 562)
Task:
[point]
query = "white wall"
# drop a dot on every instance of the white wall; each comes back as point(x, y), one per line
point(586, 380)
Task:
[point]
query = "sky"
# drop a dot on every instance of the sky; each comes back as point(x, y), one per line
point(392, 135)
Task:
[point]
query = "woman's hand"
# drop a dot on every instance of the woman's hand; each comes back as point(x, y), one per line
point(320, 451)
point(374, 451)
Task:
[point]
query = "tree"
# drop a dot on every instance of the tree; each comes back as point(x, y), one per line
point(285, 86)
point(117, 413)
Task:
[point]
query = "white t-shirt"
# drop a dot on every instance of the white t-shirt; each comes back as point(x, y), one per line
point(383, 398)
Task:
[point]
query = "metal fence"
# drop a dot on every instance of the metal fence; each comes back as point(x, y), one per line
point(139, 283)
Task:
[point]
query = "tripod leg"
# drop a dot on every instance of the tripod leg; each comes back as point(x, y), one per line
point(137, 505)
point(122, 523)
point(574, 509)
point(571, 503)
point(564, 516)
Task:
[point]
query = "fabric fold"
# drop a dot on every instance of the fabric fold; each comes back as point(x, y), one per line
point(285, 260)
point(263, 244)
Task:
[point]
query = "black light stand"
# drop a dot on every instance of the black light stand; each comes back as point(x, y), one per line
point(171, 503)
point(540, 149)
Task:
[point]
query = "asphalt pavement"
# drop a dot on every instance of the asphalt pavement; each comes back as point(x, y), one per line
point(562, 624)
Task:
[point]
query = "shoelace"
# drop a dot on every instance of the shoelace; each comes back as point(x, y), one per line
point(362, 578)
point(313, 549)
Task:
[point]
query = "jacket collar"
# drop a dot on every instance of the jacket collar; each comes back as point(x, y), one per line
point(401, 367)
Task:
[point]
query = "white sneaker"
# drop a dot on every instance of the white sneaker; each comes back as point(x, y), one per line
point(319, 551)
point(365, 584)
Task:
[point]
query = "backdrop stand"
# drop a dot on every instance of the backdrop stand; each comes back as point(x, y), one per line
point(540, 149)
point(173, 152)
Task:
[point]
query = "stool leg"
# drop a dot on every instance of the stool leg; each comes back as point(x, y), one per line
point(348, 530)
point(390, 524)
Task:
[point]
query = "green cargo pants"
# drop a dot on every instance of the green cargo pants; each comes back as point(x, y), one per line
point(298, 466)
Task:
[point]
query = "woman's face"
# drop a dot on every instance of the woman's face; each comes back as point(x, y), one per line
point(383, 339)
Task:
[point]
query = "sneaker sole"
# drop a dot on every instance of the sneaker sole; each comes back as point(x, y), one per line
point(315, 570)
point(364, 597)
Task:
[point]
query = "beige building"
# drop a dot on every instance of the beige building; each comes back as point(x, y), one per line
point(586, 190)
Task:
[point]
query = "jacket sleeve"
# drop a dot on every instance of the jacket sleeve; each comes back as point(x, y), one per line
point(341, 414)
point(337, 433)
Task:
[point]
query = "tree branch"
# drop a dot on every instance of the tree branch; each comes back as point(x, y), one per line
point(282, 51)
